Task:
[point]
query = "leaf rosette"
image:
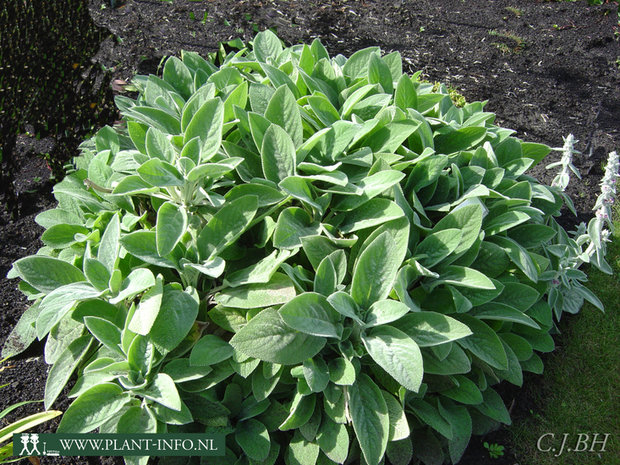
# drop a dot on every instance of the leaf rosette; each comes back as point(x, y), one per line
point(320, 257)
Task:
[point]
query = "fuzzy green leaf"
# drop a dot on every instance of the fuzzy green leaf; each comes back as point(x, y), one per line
point(278, 290)
point(268, 338)
point(312, 314)
point(278, 154)
point(397, 354)
point(385, 311)
point(483, 343)
point(266, 46)
point(176, 317)
point(333, 439)
point(46, 273)
point(226, 225)
point(293, 225)
point(376, 269)
point(207, 124)
point(93, 408)
point(171, 225)
point(430, 328)
point(316, 374)
point(253, 438)
point(163, 391)
point(283, 110)
point(160, 173)
point(369, 415)
point(209, 350)
point(64, 367)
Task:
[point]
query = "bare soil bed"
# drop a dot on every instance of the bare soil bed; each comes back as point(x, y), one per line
point(546, 68)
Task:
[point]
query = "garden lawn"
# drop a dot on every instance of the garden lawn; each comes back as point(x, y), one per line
point(577, 392)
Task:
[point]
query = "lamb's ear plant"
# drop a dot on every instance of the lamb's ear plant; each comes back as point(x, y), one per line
point(565, 163)
point(321, 257)
point(588, 242)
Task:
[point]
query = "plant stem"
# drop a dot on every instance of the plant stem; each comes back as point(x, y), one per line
point(260, 218)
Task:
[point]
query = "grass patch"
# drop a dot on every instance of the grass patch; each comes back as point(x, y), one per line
point(515, 11)
point(578, 391)
point(508, 42)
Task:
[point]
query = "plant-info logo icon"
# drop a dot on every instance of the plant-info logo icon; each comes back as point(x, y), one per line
point(30, 446)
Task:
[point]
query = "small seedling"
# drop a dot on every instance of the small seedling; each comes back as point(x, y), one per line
point(458, 99)
point(495, 450)
point(514, 11)
point(236, 43)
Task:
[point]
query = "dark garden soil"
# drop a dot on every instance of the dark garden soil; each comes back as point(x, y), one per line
point(547, 69)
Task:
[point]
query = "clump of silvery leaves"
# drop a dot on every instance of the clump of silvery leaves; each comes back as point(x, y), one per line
point(588, 244)
point(320, 257)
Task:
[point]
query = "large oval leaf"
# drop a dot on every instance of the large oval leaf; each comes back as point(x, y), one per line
point(171, 225)
point(64, 367)
point(376, 269)
point(175, 319)
point(431, 328)
point(278, 154)
point(484, 343)
point(268, 338)
point(226, 225)
point(312, 314)
point(47, 273)
point(278, 290)
point(397, 354)
point(369, 415)
point(207, 124)
point(253, 438)
point(283, 110)
point(93, 408)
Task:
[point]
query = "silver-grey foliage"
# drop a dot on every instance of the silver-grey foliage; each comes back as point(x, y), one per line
point(324, 253)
